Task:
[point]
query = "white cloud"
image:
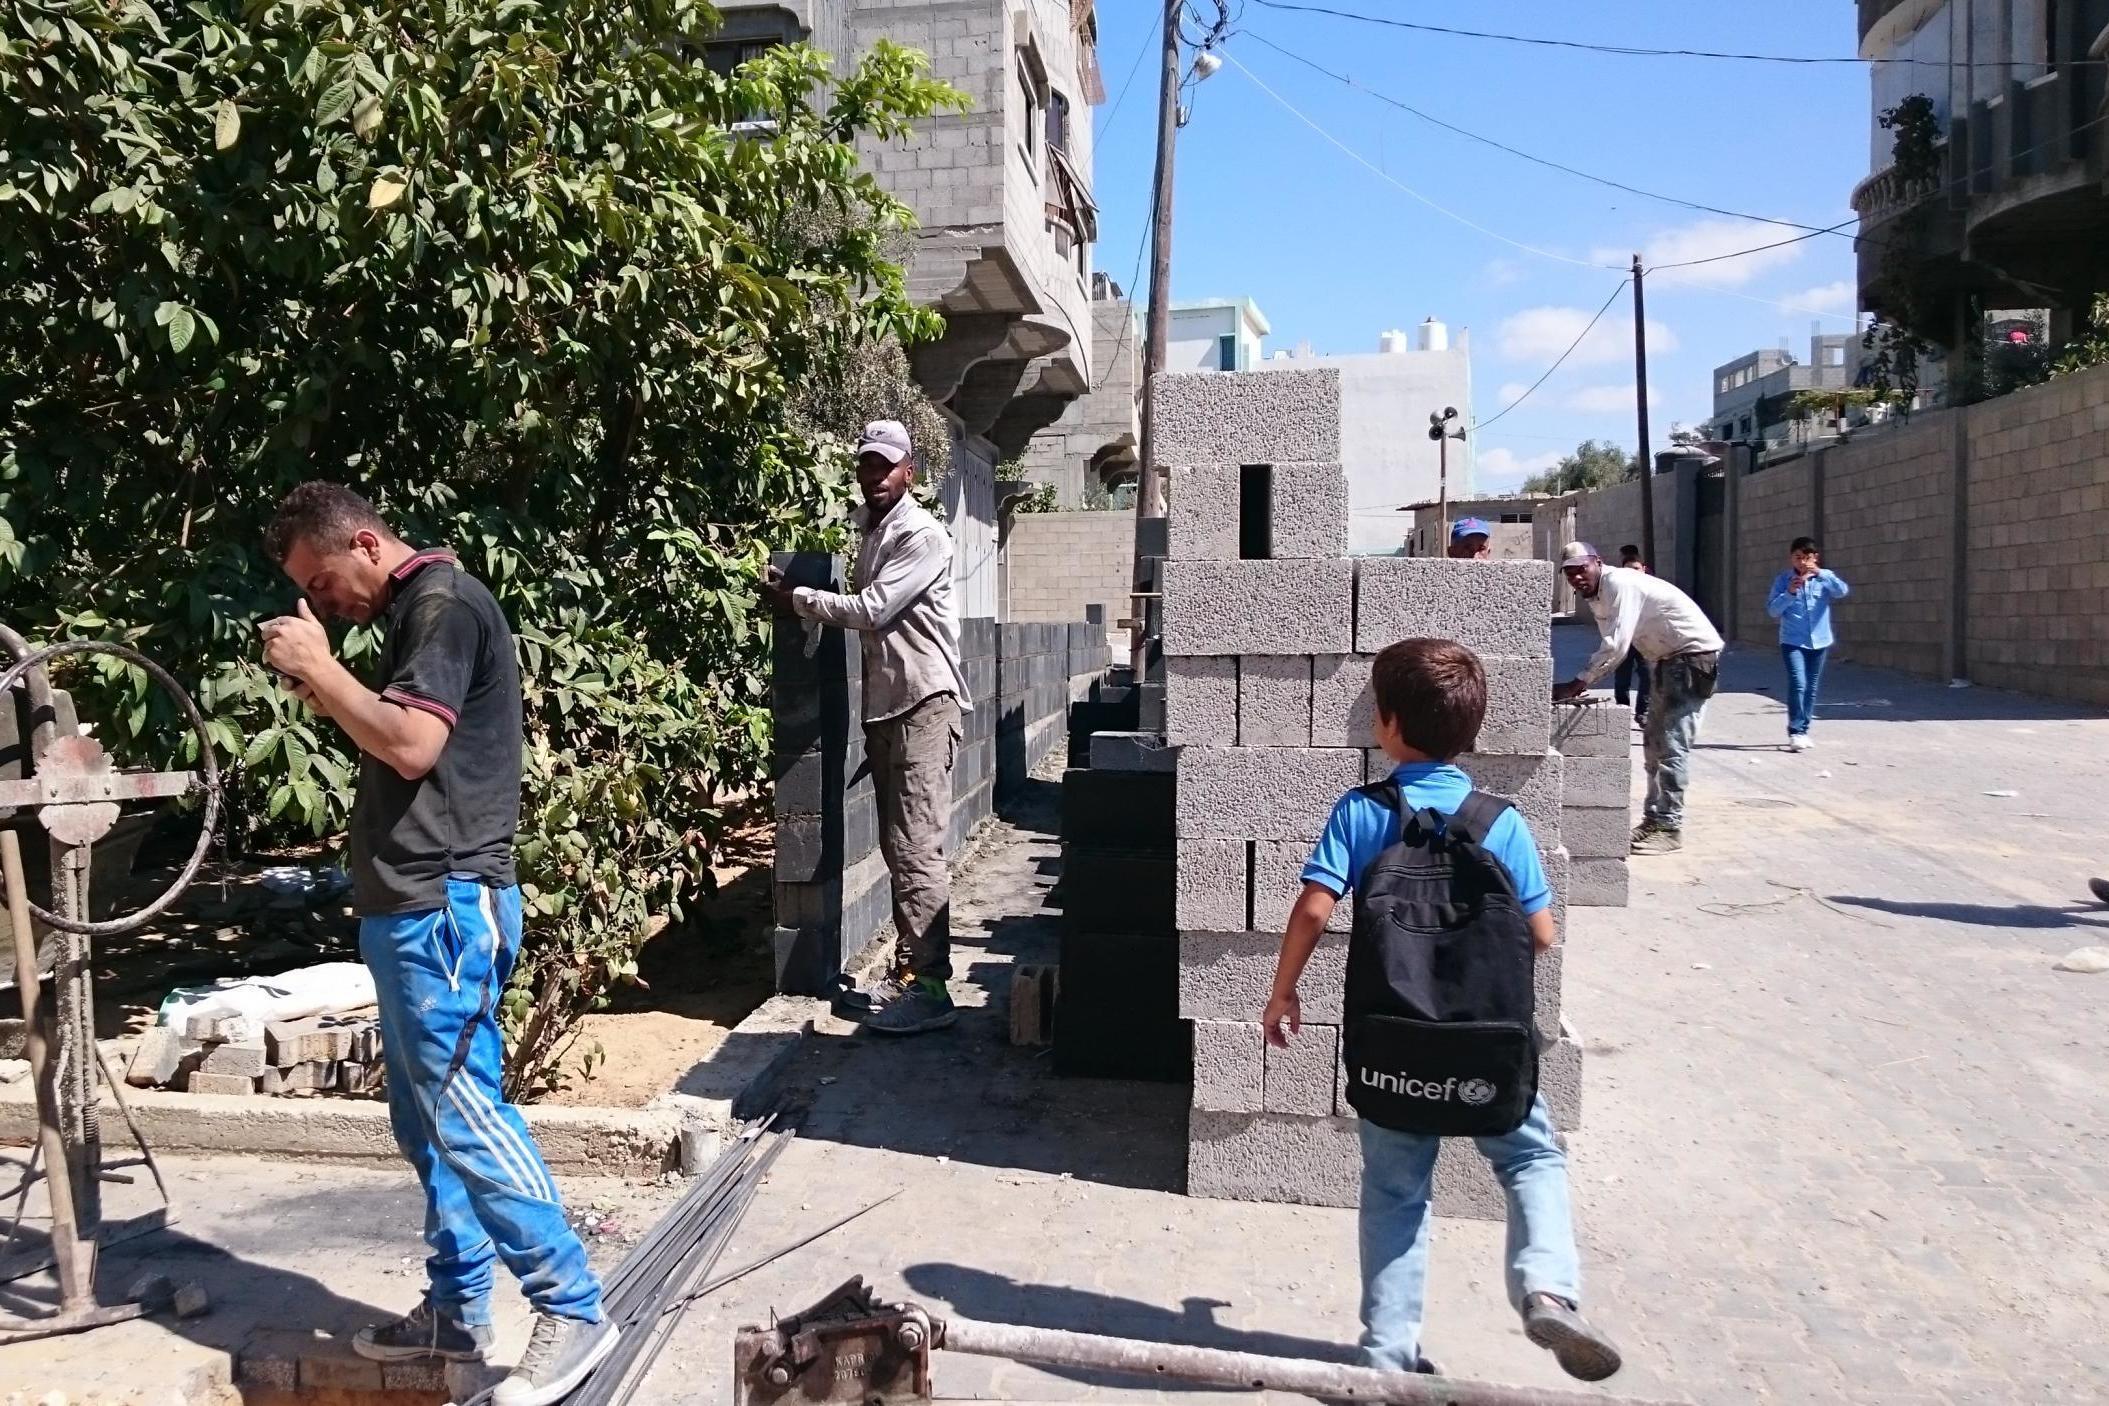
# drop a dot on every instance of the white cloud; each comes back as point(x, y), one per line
point(1500, 471)
point(1607, 400)
point(1542, 334)
point(1510, 393)
point(1710, 239)
point(1840, 297)
point(1500, 273)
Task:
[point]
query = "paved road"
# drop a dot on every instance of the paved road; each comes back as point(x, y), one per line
point(1843, 1126)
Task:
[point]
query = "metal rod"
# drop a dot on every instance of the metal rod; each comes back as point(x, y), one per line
point(1244, 1371)
point(116, 1086)
point(76, 1263)
point(1643, 454)
point(774, 1255)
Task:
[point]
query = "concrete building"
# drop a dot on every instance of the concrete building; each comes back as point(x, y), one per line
point(1510, 515)
point(1386, 397)
point(1005, 219)
point(2013, 212)
point(1095, 442)
point(1751, 393)
point(1216, 334)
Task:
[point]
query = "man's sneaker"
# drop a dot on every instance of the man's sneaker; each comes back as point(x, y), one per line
point(858, 1004)
point(423, 1332)
point(1647, 827)
point(560, 1352)
point(1660, 840)
point(1581, 1350)
point(2100, 889)
point(1800, 742)
point(921, 1007)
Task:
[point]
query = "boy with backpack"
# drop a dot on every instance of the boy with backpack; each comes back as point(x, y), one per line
point(1438, 1037)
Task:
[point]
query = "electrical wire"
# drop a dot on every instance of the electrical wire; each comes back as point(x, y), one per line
point(1637, 51)
point(1149, 39)
point(1385, 175)
point(1348, 81)
point(1482, 424)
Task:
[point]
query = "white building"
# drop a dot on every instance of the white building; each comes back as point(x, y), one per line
point(1216, 334)
point(1386, 397)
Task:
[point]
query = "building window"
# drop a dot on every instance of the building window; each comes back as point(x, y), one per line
point(1227, 352)
point(1030, 92)
point(1058, 123)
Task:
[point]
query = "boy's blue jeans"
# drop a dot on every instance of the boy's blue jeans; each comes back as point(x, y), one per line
point(437, 976)
point(1397, 1171)
point(1804, 678)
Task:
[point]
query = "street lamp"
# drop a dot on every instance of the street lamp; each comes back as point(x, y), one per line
point(1442, 428)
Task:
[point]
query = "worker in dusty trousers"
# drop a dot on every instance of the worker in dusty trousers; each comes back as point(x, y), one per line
point(914, 695)
point(430, 852)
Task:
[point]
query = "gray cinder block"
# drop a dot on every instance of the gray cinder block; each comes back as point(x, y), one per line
point(1228, 975)
point(1259, 607)
point(1545, 980)
point(1201, 701)
point(1308, 512)
point(1491, 607)
point(1277, 882)
point(1598, 730)
point(1518, 717)
point(1519, 705)
point(1597, 781)
point(1202, 516)
point(202, 1083)
point(1261, 793)
point(1560, 1083)
point(1300, 1077)
point(1248, 417)
point(247, 1059)
point(1274, 700)
point(1132, 751)
point(1598, 883)
point(1209, 883)
point(158, 1057)
point(1229, 1068)
point(1596, 832)
point(1529, 781)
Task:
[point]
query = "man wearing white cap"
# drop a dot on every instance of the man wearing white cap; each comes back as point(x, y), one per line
point(1636, 610)
point(914, 693)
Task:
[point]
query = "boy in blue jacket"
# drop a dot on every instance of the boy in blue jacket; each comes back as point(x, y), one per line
point(1801, 602)
point(1431, 697)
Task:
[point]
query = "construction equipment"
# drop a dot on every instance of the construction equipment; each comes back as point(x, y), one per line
point(63, 781)
point(852, 1348)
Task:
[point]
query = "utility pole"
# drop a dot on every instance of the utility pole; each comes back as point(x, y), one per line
point(1149, 501)
point(1640, 397)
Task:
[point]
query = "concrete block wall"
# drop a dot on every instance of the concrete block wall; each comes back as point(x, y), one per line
point(832, 894)
point(1056, 566)
point(1267, 697)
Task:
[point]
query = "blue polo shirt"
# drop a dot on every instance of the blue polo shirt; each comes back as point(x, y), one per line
point(1805, 615)
point(1361, 828)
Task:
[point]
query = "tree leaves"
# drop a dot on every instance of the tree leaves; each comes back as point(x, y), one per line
point(226, 125)
point(384, 193)
point(336, 101)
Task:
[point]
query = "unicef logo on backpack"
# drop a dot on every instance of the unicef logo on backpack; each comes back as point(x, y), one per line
point(1476, 1092)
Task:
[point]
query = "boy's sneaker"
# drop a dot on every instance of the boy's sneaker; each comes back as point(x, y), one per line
point(1659, 840)
point(1581, 1350)
point(1800, 742)
point(423, 1332)
point(2100, 889)
point(922, 1007)
point(1647, 827)
point(560, 1352)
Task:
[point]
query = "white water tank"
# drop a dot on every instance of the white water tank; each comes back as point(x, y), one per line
point(1392, 343)
point(1434, 336)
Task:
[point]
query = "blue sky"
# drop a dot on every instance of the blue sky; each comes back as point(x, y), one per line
point(1334, 254)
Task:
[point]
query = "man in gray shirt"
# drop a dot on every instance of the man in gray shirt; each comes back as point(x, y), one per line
point(914, 694)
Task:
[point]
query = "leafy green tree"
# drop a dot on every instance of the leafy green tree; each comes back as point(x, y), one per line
point(1594, 464)
point(507, 266)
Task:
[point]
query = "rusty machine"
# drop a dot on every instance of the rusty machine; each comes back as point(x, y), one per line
point(60, 793)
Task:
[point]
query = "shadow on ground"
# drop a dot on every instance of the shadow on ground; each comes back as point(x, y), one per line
point(967, 1093)
point(1986, 915)
point(1001, 1299)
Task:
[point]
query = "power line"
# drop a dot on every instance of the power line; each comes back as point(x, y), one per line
point(1622, 283)
point(1757, 248)
point(1636, 51)
point(1385, 175)
point(1405, 107)
point(1126, 83)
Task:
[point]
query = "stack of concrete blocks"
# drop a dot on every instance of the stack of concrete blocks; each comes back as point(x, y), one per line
point(1269, 632)
point(220, 1054)
point(833, 897)
point(1596, 801)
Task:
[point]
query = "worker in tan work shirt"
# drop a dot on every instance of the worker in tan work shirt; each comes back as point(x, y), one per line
point(914, 694)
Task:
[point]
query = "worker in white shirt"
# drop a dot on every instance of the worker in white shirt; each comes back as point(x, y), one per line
point(914, 694)
point(1639, 611)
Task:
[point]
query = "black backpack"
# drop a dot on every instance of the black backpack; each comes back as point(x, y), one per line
point(1439, 1034)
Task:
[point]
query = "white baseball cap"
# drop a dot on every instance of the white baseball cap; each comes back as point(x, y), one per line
point(886, 438)
point(1578, 554)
